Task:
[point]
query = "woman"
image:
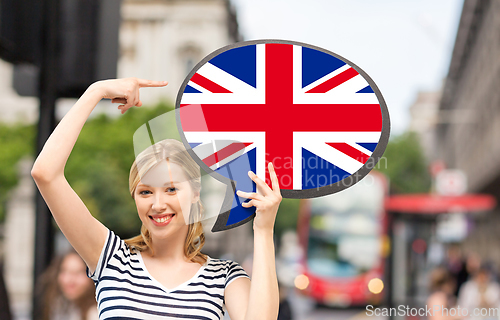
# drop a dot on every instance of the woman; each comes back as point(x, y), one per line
point(157, 271)
point(441, 300)
point(65, 290)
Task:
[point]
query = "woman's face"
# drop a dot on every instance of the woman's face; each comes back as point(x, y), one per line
point(164, 198)
point(72, 277)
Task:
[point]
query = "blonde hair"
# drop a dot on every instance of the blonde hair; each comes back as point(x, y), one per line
point(175, 152)
point(439, 277)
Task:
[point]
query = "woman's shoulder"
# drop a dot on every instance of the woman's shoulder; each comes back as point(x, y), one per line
point(226, 263)
point(114, 252)
point(92, 313)
point(225, 269)
point(115, 244)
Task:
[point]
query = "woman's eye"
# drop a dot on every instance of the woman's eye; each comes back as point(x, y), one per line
point(171, 189)
point(142, 192)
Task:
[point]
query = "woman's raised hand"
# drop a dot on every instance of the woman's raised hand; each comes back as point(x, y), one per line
point(267, 202)
point(125, 91)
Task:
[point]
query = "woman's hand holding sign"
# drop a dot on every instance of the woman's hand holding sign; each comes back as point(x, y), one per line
point(263, 299)
point(266, 203)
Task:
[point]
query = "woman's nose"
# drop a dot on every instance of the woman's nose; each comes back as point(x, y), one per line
point(160, 202)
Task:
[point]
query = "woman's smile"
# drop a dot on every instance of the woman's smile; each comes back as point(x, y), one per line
point(161, 220)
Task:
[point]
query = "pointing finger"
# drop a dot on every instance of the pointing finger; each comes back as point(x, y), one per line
point(274, 178)
point(151, 83)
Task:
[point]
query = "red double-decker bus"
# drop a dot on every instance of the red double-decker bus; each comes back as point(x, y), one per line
point(344, 240)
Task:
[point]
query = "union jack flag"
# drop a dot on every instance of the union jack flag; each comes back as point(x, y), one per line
point(310, 113)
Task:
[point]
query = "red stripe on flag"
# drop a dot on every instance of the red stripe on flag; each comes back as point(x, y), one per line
point(224, 153)
point(279, 102)
point(312, 117)
point(350, 151)
point(208, 84)
point(335, 81)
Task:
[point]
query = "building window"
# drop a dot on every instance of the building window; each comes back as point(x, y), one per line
point(190, 54)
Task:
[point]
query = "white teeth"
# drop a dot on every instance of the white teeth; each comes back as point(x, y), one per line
point(162, 220)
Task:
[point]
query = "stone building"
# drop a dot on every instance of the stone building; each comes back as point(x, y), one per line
point(424, 117)
point(471, 92)
point(159, 40)
point(165, 39)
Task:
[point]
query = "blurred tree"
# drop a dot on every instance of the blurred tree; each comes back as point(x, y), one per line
point(405, 165)
point(16, 141)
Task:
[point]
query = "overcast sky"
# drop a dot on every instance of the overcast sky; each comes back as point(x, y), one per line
point(404, 46)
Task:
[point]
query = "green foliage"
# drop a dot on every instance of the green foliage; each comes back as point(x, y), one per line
point(16, 141)
point(405, 165)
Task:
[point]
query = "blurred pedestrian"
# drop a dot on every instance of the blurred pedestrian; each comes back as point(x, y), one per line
point(473, 263)
point(456, 264)
point(285, 310)
point(480, 293)
point(442, 285)
point(66, 293)
point(4, 299)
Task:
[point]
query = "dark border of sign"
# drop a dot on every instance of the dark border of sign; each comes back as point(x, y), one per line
point(222, 218)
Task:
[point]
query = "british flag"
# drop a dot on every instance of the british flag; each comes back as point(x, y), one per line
point(309, 112)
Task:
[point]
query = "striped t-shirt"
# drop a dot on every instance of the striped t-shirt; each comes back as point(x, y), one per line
point(126, 290)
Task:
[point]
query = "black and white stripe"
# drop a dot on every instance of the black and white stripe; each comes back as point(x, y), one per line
point(125, 290)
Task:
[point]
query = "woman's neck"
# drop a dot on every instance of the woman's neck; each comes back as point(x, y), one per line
point(169, 249)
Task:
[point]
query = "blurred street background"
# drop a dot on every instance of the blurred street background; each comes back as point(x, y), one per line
point(422, 226)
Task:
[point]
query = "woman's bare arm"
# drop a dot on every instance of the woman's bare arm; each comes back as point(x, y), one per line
point(85, 233)
point(259, 299)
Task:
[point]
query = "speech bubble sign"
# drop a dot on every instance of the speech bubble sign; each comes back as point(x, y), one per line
point(317, 116)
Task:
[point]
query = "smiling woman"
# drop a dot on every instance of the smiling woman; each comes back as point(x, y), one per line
point(170, 185)
point(160, 273)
